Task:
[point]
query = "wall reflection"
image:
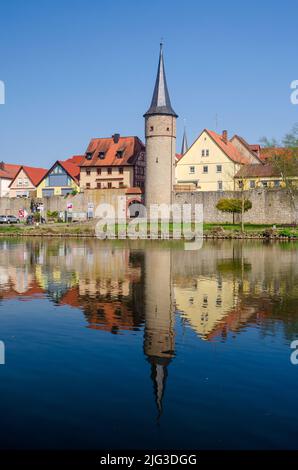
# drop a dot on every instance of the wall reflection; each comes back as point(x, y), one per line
point(215, 292)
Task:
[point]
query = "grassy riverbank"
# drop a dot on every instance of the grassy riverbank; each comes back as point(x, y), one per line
point(209, 230)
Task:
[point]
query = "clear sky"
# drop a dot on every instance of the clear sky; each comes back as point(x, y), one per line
point(77, 69)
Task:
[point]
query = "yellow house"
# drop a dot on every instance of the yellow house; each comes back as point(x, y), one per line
point(60, 180)
point(260, 176)
point(212, 162)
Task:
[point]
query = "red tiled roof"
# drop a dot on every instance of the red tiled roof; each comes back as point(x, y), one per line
point(178, 156)
point(134, 190)
point(8, 170)
point(255, 148)
point(228, 148)
point(268, 152)
point(76, 159)
point(34, 174)
point(129, 146)
point(257, 170)
point(72, 169)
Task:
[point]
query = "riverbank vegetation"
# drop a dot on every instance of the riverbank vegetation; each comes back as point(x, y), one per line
point(87, 229)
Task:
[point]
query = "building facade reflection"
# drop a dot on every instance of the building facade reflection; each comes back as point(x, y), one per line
point(219, 290)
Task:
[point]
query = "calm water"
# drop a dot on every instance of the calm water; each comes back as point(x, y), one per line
point(118, 345)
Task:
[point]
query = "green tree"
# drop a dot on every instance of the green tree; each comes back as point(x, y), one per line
point(284, 157)
point(234, 206)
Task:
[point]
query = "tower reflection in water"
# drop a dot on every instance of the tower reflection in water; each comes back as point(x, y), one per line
point(218, 291)
point(159, 333)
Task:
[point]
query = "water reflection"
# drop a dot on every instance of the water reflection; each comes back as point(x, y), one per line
point(215, 292)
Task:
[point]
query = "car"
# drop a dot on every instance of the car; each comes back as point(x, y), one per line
point(3, 219)
point(12, 219)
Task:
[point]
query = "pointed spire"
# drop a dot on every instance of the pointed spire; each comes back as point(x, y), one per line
point(161, 103)
point(184, 147)
point(159, 375)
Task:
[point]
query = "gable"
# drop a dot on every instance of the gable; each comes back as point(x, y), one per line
point(21, 180)
point(204, 143)
point(244, 148)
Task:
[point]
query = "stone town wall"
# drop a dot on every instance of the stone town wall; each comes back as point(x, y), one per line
point(80, 202)
point(268, 206)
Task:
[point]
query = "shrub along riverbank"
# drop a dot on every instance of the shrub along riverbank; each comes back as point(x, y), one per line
point(213, 231)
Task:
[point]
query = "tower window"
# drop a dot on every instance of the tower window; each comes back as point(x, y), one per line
point(168, 128)
point(151, 128)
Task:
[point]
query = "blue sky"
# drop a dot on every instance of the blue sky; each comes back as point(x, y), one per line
point(77, 69)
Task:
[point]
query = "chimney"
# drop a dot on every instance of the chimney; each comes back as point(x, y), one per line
point(2, 165)
point(116, 138)
point(225, 136)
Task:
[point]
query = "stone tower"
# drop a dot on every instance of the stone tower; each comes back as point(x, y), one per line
point(160, 133)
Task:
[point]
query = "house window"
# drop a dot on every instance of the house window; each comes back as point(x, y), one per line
point(20, 182)
point(109, 185)
point(98, 185)
point(87, 185)
point(101, 155)
point(219, 185)
point(99, 171)
point(58, 178)
point(218, 168)
point(203, 153)
point(205, 169)
point(26, 182)
point(121, 184)
point(191, 169)
point(119, 153)
point(88, 155)
point(276, 183)
point(252, 184)
point(88, 172)
point(207, 153)
point(240, 184)
point(109, 171)
point(120, 170)
point(265, 184)
point(65, 191)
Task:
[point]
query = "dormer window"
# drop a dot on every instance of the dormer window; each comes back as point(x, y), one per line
point(101, 155)
point(88, 155)
point(119, 153)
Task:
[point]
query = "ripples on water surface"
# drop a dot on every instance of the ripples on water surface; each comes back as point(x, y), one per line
point(118, 345)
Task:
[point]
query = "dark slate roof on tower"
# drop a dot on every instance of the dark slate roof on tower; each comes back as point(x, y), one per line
point(161, 103)
point(184, 147)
